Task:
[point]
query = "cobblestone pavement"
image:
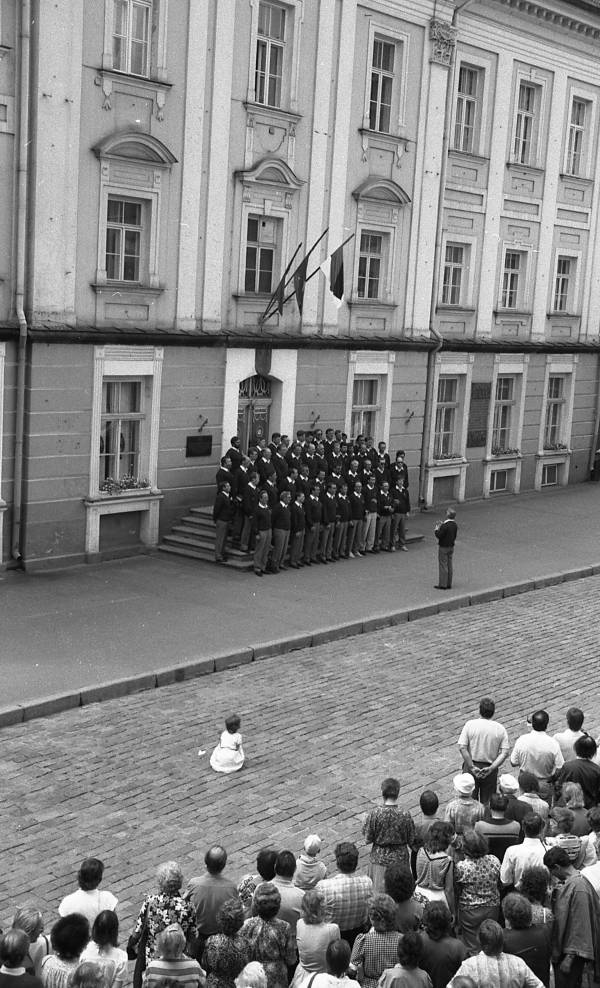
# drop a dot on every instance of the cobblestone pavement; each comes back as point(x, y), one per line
point(322, 727)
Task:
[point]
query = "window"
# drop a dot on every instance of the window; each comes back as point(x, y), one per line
point(554, 411)
point(498, 481)
point(445, 417)
point(365, 406)
point(123, 240)
point(576, 138)
point(131, 36)
point(526, 124)
point(503, 406)
point(261, 254)
point(120, 433)
point(382, 84)
point(550, 475)
point(454, 274)
point(467, 99)
point(270, 48)
point(512, 279)
point(563, 284)
point(370, 265)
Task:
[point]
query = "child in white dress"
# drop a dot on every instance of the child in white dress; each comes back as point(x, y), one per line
point(228, 756)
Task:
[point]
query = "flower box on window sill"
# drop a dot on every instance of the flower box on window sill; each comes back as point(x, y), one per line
point(560, 454)
point(143, 494)
point(499, 452)
point(448, 459)
point(556, 448)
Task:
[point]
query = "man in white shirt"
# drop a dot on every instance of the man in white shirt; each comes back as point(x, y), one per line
point(526, 855)
point(483, 744)
point(566, 739)
point(538, 753)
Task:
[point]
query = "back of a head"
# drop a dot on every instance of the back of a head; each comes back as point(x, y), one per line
point(487, 707)
point(491, 937)
point(285, 865)
point(564, 818)
point(69, 936)
point(267, 900)
point(89, 974)
point(575, 718)
point(399, 882)
point(437, 920)
point(439, 836)
point(29, 919)
point(556, 857)
point(170, 943)
point(585, 747)
point(540, 720)
point(533, 825)
point(534, 883)
point(105, 931)
point(451, 513)
point(517, 911)
point(573, 795)
point(90, 874)
point(253, 976)
point(265, 864)
point(14, 947)
point(215, 859)
point(498, 802)
point(429, 802)
point(410, 949)
point(528, 782)
point(474, 845)
point(382, 912)
point(346, 857)
point(390, 788)
point(337, 957)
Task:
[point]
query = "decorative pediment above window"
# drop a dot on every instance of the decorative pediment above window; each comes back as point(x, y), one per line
point(271, 179)
point(135, 146)
point(382, 190)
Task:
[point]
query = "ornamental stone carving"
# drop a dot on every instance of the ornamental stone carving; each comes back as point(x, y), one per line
point(443, 42)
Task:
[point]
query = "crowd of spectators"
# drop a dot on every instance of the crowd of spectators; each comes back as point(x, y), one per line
point(501, 893)
point(316, 500)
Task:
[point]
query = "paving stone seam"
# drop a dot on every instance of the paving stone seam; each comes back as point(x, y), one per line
point(112, 689)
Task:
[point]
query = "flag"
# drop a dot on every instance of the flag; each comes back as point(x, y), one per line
point(333, 269)
point(279, 295)
point(300, 281)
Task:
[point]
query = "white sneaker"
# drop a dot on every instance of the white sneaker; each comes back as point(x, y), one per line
point(350, 555)
point(403, 548)
point(201, 752)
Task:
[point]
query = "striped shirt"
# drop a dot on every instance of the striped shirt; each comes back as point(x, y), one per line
point(185, 971)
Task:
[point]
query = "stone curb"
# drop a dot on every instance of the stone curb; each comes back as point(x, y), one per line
point(20, 713)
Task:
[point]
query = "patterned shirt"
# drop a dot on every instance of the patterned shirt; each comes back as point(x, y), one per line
point(346, 900)
point(375, 952)
point(272, 943)
point(478, 882)
point(160, 910)
point(389, 829)
point(224, 958)
point(463, 813)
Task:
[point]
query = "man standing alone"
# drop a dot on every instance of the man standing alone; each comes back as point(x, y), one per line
point(445, 533)
point(483, 744)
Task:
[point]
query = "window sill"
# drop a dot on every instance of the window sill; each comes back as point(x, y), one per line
point(125, 288)
point(258, 297)
point(508, 459)
point(584, 180)
point(370, 303)
point(563, 315)
point(513, 312)
point(286, 116)
point(472, 155)
point(558, 455)
point(444, 307)
point(141, 496)
point(520, 166)
point(107, 79)
point(377, 138)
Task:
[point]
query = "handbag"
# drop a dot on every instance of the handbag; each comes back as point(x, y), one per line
point(136, 950)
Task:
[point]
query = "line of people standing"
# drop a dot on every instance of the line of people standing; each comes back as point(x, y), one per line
point(319, 499)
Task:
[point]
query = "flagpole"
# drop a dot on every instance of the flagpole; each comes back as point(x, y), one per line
point(316, 271)
point(281, 281)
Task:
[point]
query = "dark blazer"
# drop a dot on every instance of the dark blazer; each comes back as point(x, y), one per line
point(297, 518)
point(281, 516)
point(446, 533)
point(223, 507)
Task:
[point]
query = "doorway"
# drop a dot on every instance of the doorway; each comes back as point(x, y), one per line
point(254, 410)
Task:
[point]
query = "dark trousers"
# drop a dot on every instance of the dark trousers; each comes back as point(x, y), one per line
point(484, 788)
point(574, 977)
point(445, 554)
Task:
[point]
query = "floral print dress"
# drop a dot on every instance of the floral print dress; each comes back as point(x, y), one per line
point(159, 910)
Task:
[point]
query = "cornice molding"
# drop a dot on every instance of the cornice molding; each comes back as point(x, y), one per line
point(555, 18)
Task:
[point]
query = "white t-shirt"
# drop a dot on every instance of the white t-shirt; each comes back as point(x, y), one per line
point(537, 753)
point(566, 740)
point(485, 739)
point(89, 904)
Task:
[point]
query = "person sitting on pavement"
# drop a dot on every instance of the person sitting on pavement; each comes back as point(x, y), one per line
point(377, 949)
point(207, 893)
point(521, 937)
point(522, 856)
point(346, 895)
point(443, 953)
point(89, 899)
point(498, 830)
point(492, 966)
point(310, 871)
point(484, 746)
point(584, 770)
point(391, 832)
point(14, 948)
point(566, 739)
point(463, 811)
point(538, 753)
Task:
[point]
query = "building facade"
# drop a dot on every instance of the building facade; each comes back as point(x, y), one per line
point(161, 161)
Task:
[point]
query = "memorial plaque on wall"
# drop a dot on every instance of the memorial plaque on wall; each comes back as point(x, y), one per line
point(481, 394)
point(198, 446)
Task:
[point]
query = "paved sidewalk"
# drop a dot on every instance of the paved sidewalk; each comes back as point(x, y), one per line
point(67, 634)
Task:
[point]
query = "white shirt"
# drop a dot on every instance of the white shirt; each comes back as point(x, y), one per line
point(485, 739)
point(89, 904)
point(566, 740)
point(537, 753)
point(592, 873)
point(519, 857)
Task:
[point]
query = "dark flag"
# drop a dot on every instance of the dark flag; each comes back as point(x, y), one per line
point(300, 281)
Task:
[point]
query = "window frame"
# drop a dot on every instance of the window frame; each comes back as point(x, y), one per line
point(371, 258)
point(365, 364)
point(474, 59)
point(572, 294)
point(442, 407)
point(464, 293)
point(388, 232)
point(294, 11)
point(459, 366)
point(277, 249)
point(539, 85)
point(591, 103)
point(141, 229)
point(477, 104)
point(565, 368)
point(523, 273)
point(157, 41)
point(270, 44)
point(379, 31)
point(129, 40)
point(370, 409)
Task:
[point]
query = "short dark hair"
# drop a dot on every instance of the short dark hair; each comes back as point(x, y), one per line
point(337, 957)
point(487, 707)
point(232, 723)
point(593, 818)
point(14, 947)
point(439, 835)
point(346, 856)
point(215, 859)
point(410, 949)
point(285, 864)
point(498, 802)
point(585, 747)
point(540, 720)
point(575, 718)
point(528, 782)
point(90, 874)
point(517, 910)
point(533, 825)
point(390, 788)
point(105, 930)
point(230, 917)
point(69, 935)
point(474, 845)
point(437, 920)
point(265, 863)
point(399, 882)
point(534, 883)
point(491, 937)
point(429, 802)
point(556, 857)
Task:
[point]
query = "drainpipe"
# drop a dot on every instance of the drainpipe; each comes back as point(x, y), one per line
point(431, 357)
point(594, 464)
point(22, 187)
